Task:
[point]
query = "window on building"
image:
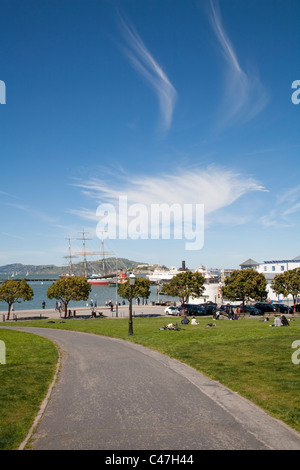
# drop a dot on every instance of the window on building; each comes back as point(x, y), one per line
point(265, 268)
point(273, 268)
point(282, 268)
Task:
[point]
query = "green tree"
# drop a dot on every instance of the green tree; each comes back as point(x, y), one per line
point(244, 285)
point(69, 288)
point(288, 283)
point(15, 291)
point(185, 285)
point(141, 289)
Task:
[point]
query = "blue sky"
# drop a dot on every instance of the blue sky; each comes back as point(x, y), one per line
point(164, 101)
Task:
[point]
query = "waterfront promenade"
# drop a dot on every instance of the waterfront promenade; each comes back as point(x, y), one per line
point(104, 311)
point(123, 312)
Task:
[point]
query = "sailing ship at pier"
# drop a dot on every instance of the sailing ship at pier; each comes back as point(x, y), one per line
point(107, 277)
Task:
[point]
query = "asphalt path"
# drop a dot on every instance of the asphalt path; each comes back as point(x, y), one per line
point(111, 394)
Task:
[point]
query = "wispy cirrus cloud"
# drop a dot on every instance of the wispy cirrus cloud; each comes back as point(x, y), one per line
point(32, 212)
point(214, 187)
point(4, 193)
point(11, 235)
point(286, 210)
point(145, 64)
point(244, 94)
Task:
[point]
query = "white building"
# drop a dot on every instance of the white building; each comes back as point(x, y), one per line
point(270, 269)
point(212, 287)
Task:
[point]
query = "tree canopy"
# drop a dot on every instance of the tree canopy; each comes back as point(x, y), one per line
point(184, 285)
point(244, 285)
point(288, 283)
point(141, 289)
point(74, 288)
point(15, 291)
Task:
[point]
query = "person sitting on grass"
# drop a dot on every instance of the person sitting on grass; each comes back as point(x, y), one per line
point(185, 320)
point(284, 321)
point(194, 322)
point(277, 321)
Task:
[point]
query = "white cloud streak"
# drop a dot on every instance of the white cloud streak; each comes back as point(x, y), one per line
point(3, 193)
point(144, 63)
point(214, 187)
point(244, 96)
point(286, 210)
point(32, 212)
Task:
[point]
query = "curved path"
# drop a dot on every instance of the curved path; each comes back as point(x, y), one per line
point(114, 395)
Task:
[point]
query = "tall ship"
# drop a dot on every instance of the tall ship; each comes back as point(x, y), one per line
point(107, 280)
point(106, 277)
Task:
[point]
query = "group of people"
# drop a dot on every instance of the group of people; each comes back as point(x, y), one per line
point(144, 301)
point(186, 321)
point(231, 314)
point(280, 321)
point(93, 307)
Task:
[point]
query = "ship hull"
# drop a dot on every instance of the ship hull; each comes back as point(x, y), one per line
point(98, 283)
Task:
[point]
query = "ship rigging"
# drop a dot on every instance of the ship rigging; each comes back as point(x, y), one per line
point(107, 277)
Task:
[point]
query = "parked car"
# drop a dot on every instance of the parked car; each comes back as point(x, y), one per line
point(265, 307)
point(226, 306)
point(251, 309)
point(172, 310)
point(210, 307)
point(208, 304)
point(283, 308)
point(193, 309)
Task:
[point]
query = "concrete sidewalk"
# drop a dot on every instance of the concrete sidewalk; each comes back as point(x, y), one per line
point(123, 312)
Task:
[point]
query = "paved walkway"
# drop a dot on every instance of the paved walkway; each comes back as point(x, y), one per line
point(115, 395)
point(123, 310)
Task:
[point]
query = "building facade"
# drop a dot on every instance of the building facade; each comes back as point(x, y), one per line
point(270, 269)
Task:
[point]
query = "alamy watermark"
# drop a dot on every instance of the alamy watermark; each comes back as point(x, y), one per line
point(155, 221)
point(2, 352)
point(296, 94)
point(295, 358)
point(2, 92)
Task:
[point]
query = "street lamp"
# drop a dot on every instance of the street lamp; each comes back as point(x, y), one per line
point(131, 284)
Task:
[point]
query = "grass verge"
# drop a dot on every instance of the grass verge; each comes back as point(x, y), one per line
point(24, 382)
point(247, 355)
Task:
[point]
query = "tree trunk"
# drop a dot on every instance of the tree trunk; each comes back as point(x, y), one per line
point(66, 309)
point(8, 312)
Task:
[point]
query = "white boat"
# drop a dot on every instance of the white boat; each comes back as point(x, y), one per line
point(211, 285)
point(161, 275)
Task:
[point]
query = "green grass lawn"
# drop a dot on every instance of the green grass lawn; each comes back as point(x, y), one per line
point(246, 355)
point(24, 382)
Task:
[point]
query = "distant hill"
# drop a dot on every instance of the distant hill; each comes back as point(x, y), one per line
point(19, 269)
point(112, 264)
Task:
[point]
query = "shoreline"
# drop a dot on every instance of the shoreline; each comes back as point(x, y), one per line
point(51, 313)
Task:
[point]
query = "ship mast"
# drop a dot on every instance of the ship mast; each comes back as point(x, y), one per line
point(84, 252)
point(103, 254)
point(70, 256)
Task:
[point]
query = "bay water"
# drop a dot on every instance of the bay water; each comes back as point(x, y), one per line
point(100, 294)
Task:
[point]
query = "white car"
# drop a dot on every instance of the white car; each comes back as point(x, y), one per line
point(171, 311)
